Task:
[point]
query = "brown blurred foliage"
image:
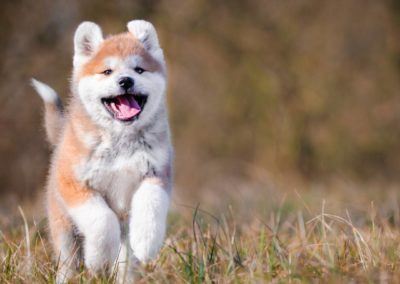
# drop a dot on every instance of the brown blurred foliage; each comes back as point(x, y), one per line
point(308, 87)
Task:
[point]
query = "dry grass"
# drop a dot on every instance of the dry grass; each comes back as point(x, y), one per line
point(292, 242)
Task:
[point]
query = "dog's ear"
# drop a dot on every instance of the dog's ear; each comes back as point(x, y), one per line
point(145, 33)
point(87, 39)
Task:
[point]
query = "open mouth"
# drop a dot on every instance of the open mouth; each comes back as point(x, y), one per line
point(126, 107)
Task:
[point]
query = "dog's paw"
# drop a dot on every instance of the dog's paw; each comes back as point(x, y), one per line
point(148, 221)
point(100, 253)
point(64, 273)
point(126, 265)
point(146, 243)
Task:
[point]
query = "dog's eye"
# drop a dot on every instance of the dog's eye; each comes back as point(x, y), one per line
point(139, 70)
point(107, 72)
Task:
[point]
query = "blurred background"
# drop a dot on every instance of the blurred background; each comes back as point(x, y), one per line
point(262, 94)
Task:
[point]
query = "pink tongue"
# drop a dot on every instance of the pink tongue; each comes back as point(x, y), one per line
point(127, 107)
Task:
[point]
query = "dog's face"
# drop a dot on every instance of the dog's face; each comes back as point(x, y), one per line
point(120, 80)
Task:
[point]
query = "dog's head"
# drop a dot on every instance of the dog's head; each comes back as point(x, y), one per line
point(119, 80)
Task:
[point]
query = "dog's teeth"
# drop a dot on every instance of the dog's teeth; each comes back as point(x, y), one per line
point(113, 106)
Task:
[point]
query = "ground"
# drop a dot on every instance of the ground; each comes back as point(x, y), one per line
point(348, 234)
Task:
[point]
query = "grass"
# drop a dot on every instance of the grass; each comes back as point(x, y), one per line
point(300, 239)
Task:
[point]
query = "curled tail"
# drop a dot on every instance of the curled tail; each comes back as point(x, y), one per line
point(54, 110)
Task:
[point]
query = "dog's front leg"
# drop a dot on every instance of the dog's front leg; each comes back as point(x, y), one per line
point(149, 210)
point(101, 231)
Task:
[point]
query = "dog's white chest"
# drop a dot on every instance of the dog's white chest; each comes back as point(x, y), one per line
point(115, 173)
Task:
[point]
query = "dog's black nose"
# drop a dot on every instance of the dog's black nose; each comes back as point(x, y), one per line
point(125, 83)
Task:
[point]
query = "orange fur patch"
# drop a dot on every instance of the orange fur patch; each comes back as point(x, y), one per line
point(72, 151)
point(122, 46)
point(155, 180)
point(80, 118)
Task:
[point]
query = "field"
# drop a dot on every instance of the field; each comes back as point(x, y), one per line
point(278, 236)
point(286, 127)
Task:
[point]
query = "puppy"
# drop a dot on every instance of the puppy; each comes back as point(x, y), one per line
point(110, 180)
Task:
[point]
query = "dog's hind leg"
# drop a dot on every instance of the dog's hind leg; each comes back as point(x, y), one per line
point(63, 240)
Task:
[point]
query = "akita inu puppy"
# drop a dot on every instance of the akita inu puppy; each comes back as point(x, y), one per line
point(110, 180)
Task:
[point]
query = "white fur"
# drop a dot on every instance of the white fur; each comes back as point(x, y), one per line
point(92, 89)
point(120, 161)
point(147, 35)
point(45, 91)
point(148, 218)
point(116, 171)
point(87, 39)
point(101, 230)
point(89, 139)
point(124, 158)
